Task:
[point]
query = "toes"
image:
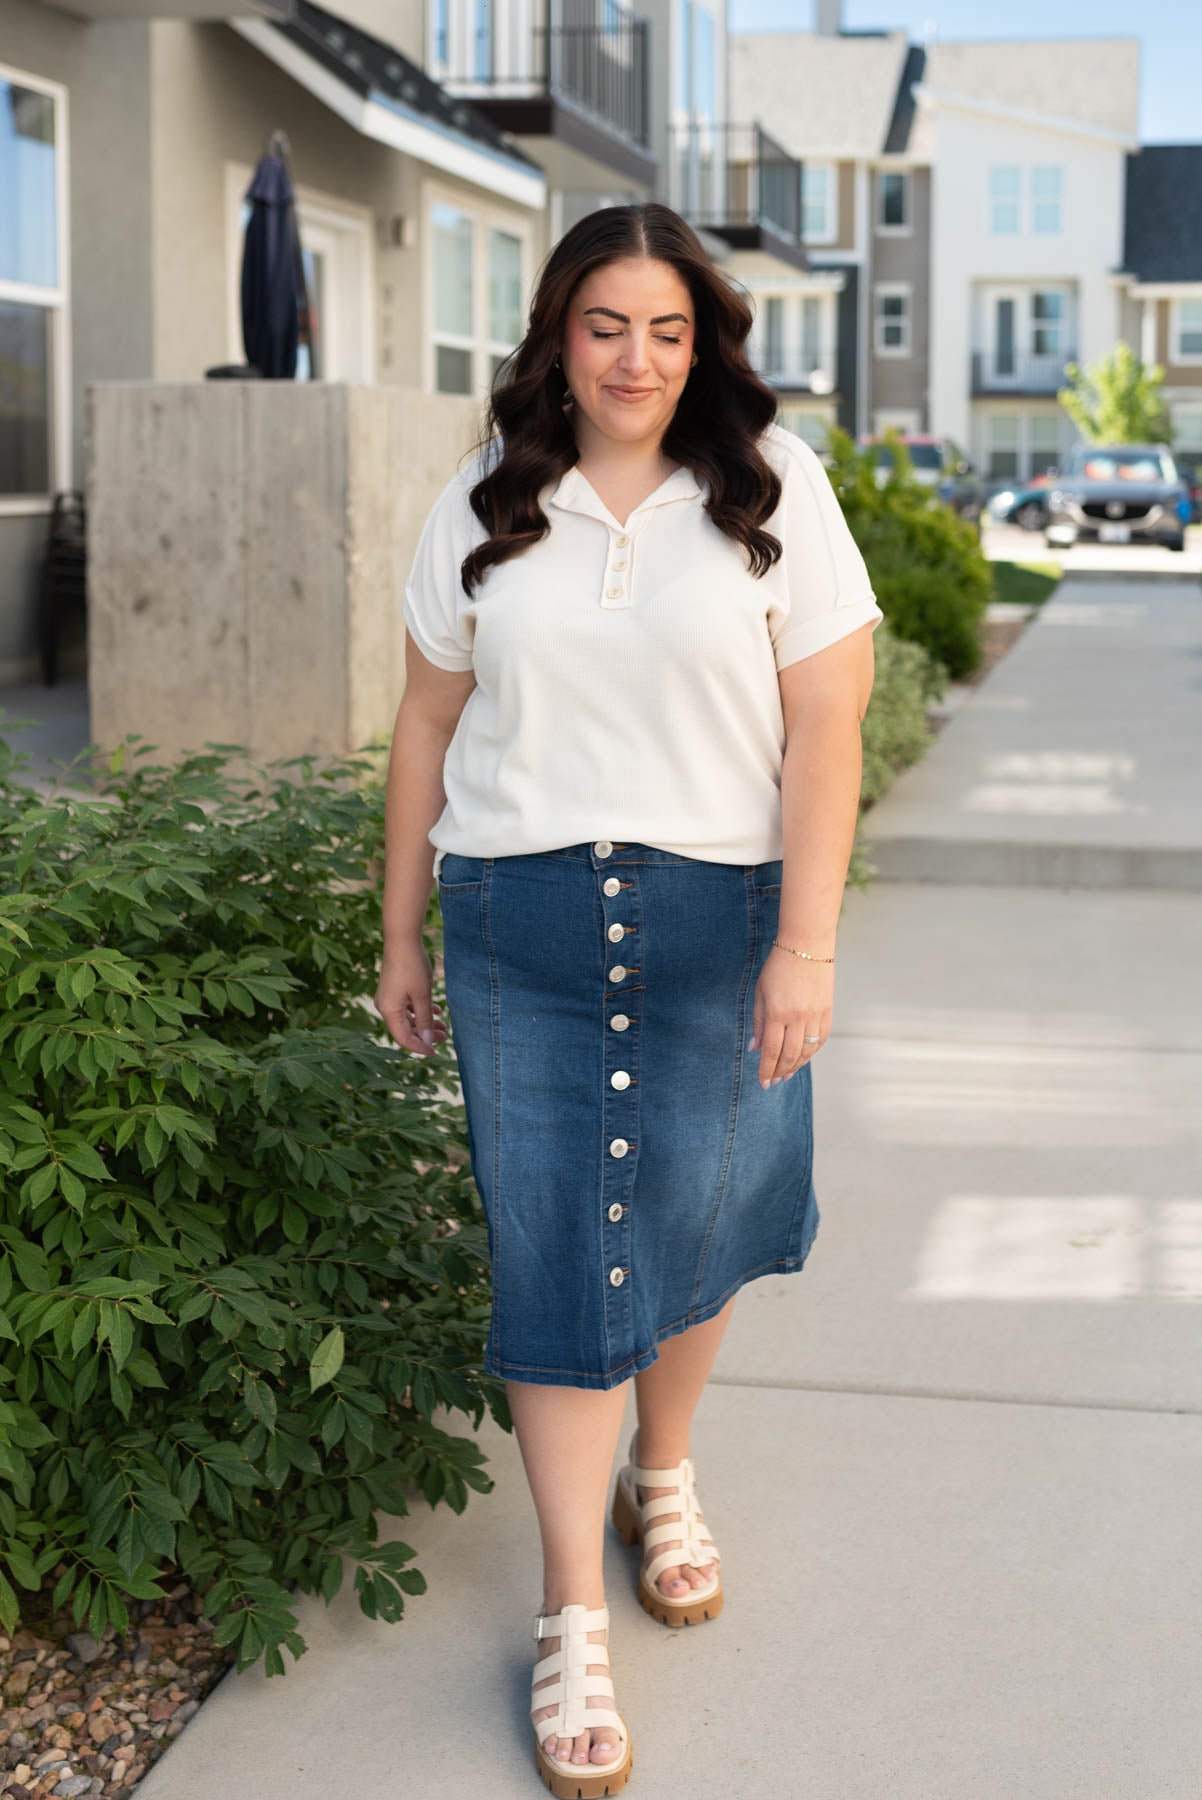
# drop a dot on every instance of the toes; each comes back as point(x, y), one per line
point(604, 1748)
point(580, 1748)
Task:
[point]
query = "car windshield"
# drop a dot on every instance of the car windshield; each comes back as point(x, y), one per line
point(1121, 465)
point(923, 456)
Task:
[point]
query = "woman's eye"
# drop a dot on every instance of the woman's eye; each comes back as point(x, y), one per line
point(614, 334)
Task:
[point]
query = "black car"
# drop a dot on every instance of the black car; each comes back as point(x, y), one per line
point(1189, 467)
point(1118, 494)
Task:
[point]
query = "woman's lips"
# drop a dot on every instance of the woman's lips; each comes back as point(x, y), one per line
point(631, 393)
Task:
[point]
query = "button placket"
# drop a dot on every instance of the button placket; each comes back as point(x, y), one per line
point(615, 587)
point(621, 920)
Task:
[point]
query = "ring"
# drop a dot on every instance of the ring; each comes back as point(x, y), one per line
point(814, 1040)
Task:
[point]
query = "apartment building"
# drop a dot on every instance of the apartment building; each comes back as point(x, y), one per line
point(1161, 279)
point(1028, 144)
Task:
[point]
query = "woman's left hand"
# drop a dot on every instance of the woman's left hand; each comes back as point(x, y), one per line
point(793, 1001)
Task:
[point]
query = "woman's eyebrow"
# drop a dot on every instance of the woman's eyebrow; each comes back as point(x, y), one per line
point(664, 318)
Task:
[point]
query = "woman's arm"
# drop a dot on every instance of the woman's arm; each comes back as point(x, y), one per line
point(426, 719)
point(824, 697)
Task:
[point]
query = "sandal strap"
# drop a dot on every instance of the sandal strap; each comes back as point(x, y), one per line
point(574, 1687)
point(687, 1527)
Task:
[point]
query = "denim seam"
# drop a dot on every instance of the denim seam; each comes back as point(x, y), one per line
point(494, 1005)
point(736, 1083)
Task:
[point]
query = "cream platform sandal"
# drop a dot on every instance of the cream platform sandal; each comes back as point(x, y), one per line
point(686, 1530)
point(566, 1780)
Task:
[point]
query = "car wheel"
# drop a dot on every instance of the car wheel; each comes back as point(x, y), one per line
point(1030, 517)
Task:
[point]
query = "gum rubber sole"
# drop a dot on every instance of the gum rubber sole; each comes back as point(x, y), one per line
point(668, 1612)
point(571, 1783)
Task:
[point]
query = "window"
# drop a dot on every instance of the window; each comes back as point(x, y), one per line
point(1045, 199)
point(893, 200)
point(817, 202)
point(813, 428)
point(811, 334)
point(1005, 189)
point(1187, 428)
point(774, 334)
point(482, 44)
point(1047, 313)
point(892, 321)
point(1003, 447)
point(478, 297)
point(696, 81)
point(32, 298)
point(1187, 334)
point(1044, 440)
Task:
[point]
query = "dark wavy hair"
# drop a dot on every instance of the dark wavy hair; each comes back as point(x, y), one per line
point(719, 417)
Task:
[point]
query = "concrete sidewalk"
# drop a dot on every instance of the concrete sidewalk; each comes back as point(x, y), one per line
point(953, 1466)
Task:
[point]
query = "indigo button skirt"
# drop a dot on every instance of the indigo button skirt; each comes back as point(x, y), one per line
point(633, 1172)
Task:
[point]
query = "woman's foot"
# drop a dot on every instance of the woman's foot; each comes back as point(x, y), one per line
point(601, 1743)
point(674, 1583)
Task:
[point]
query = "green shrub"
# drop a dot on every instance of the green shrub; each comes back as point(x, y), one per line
point(242, 1260)
point(894, 732)
point(927, 568)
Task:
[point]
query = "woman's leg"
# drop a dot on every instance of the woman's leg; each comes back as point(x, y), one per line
point(567, 1438)
point(667, 1395)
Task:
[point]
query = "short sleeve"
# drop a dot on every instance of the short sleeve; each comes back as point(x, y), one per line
point(434, 602)
point(825, 592)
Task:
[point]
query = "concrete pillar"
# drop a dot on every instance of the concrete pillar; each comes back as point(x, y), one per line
point(248, 544)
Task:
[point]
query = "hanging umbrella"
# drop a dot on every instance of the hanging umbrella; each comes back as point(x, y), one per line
point(275, 302)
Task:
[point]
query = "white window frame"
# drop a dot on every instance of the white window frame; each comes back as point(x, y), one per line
point(1184, 358)
point(56, 301)
point(481, 346)
point(1025, 447)
point(892, 290)
point(1015, 200)
point(340, 229)
point(1191, 409)
point(792, 300)
point(1038, 200)
point(906, 228)
point(831, 170)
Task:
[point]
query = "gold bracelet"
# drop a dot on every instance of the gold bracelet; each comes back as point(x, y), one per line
point(804, 953)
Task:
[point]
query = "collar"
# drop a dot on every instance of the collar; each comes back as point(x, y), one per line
point(574, 493)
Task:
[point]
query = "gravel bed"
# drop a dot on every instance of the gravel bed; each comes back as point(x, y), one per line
point(87, 1718)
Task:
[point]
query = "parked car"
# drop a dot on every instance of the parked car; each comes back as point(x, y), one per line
point(1025, 504)
point(1189, 467)
point(1118, 494)
point(939, 464)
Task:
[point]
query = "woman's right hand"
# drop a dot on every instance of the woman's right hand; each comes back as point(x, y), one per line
point(404, 1002)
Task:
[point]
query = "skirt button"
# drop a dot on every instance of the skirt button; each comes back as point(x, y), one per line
point(616, 1277)
point(618, 1146)
point(615, 1212)
point(603, 847)
point(616, 933)
point(612, 886)
point(619, 1022)
point(619, 1079)
point(618, 972)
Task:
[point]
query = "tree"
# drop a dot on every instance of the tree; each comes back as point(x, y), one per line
point(1117, 400)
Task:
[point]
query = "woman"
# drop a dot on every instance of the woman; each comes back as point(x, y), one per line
point(639, 609)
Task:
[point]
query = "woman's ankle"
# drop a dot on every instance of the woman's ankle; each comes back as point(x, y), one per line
point(558, 1594)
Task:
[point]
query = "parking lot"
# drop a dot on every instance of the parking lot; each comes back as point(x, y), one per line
point(1008, 543)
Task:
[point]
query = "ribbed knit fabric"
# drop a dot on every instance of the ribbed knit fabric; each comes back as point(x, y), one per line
point(626, 673)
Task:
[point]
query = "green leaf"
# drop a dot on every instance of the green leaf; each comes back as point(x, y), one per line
point(327, 1358)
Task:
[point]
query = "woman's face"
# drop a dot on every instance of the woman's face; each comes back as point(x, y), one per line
point(628, 339)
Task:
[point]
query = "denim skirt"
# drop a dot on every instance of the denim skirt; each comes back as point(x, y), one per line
point(633, 1172)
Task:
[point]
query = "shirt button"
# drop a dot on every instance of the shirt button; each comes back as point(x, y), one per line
point(619, 1079)
point(613, 886)
point(618, 972)
point(618, 1147)
point(614, 593)
point(620, 565)
point(619, 1022)
point(603, 847)
point(616, 933)
point(616, 1277)
point(622, 541)
point(615, 1212)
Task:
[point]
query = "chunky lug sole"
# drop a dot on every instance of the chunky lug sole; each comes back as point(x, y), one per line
point(636, 1525)
point(571, 1692)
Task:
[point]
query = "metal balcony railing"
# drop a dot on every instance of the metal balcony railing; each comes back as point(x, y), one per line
point(601, 69)
point(1019, 372)
point(725, 176)
point(815, 374)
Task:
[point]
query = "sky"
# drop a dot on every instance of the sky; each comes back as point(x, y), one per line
point(1170, 47)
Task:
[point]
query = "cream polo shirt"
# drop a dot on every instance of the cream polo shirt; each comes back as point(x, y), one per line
point(626, 673)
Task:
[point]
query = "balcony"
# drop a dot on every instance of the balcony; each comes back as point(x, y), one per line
point(738, 182)
point(584, 85)
point(1026, 373)
point(815, 375)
